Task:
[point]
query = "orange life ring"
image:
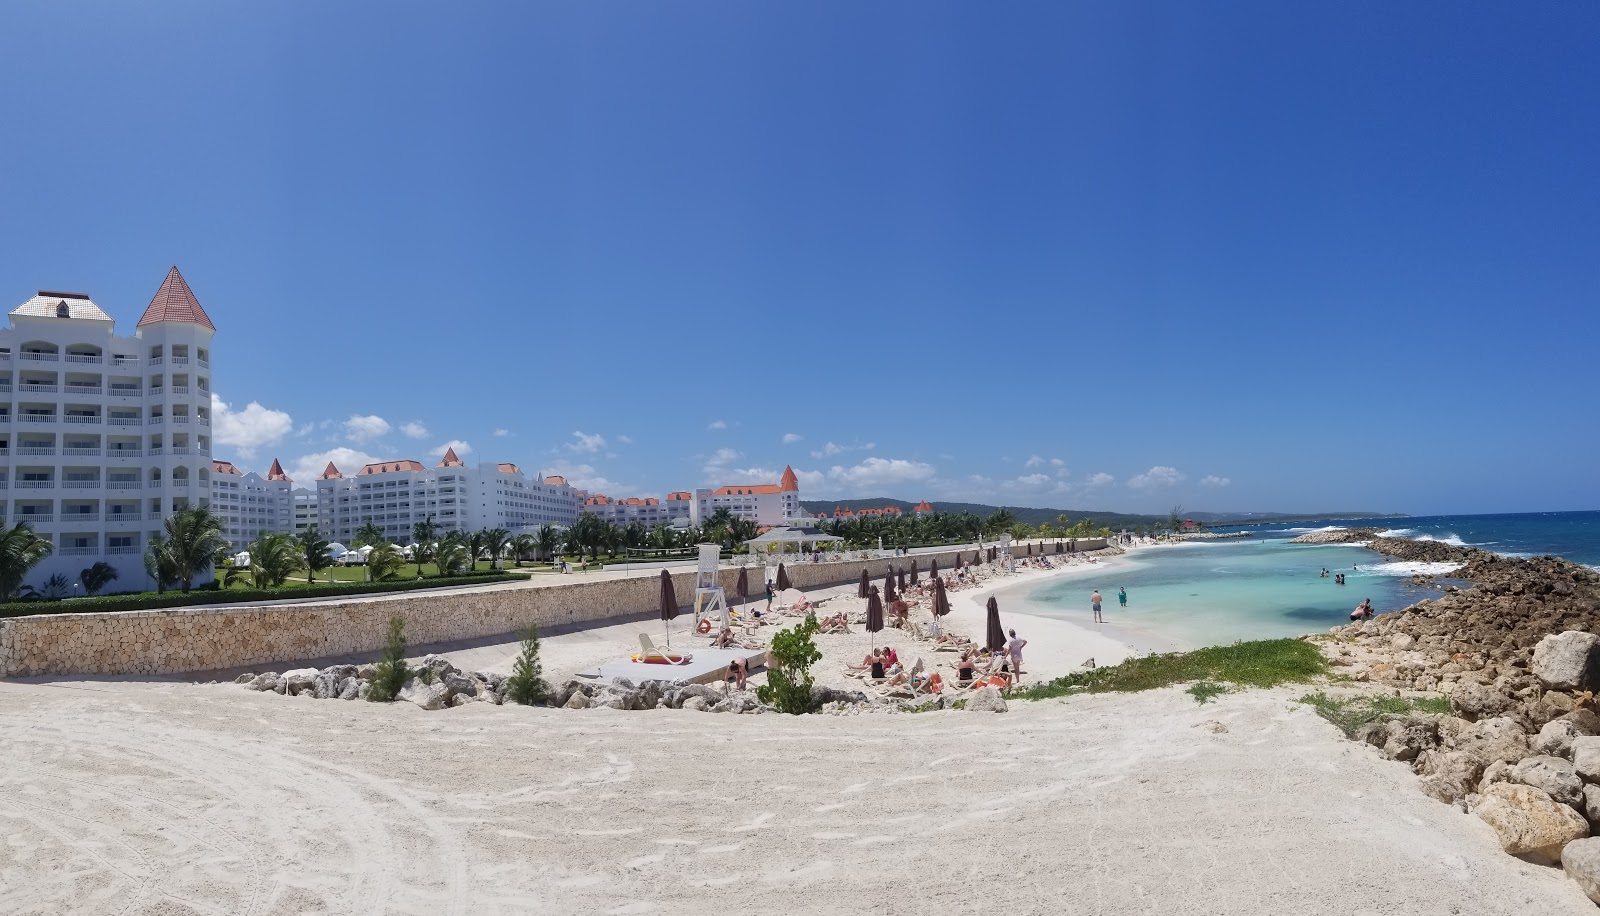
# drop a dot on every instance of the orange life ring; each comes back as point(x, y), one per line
point(704, 627)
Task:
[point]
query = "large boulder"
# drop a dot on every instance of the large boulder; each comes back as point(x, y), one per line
point(1586, 721)
point(1586, 757)
point(325, 686)
point(1555, 738)
point(986, 699)
point(696, 704)
point(1581, 861)
point(300, 680)
point(1449, 776)
point(1568, 661)
point(428, 696)
point(264, 681)
point(1591, 806)
point(1477, 701)
point(438, 664)
point(458, 684)
point(577, 700)
point(1405, 737)
point(349, 688)
point(1529, 822)
point(1551, 775)
point(1494, 739)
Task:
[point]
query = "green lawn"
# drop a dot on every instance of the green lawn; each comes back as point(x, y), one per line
point(1263, 663)
point(359, 573)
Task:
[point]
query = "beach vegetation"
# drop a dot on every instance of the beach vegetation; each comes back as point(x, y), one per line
point(313, 549)
point(94, 578)
point(21, 549)
point(370, 534)
point(187, 545)
point(526, 685)
point(1259, 663)
point(1206, 691)
point(385, 562)
point(273, 557)
point(788, 686)
point(1349, 713)
point(390, 673)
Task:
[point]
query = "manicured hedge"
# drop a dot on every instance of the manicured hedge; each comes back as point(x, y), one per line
point(149, 601)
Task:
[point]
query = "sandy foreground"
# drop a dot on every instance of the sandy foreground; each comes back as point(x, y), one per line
point(162, 797)
point(144, 798)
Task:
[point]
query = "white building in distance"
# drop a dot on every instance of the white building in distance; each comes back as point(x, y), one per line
point(103, 435)
point(247, 503)
point(765, 504)
point(396, 495)
point(676, 510)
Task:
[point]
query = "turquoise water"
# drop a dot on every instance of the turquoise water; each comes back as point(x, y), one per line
point(1210, 593)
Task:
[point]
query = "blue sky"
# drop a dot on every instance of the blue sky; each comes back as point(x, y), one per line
point(1238, 256)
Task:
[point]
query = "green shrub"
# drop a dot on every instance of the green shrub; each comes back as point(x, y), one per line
point(1262, 663)
point(1206, 691)
point(1351, 712)
point(209, 594)
point(788, 686)
point(391, 672)
point(526, 685)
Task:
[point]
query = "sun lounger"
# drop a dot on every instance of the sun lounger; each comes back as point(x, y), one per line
point(650, 654)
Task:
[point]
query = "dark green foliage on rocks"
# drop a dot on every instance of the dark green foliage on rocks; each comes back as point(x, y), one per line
point(1351, 712)
point(526, 684)
point(788, 686)
point(1261, 663)
point(389, 675)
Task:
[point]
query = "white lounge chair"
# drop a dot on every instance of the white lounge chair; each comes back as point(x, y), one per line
point(648, 651)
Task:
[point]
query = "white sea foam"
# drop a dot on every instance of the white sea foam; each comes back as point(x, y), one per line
point(1411, 534)
point(1397, 533)
point(1309, 530)
point(1412, 568)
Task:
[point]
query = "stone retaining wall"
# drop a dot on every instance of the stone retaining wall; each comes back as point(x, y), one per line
point(177, 640)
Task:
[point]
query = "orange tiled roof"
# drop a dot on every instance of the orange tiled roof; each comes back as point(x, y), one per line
point(507, 468)
point(760, 489)
point(923, 506)
point(175, 302)
point(555, 481)
point(450, 460)
point(276, 473)
point(223, 467)
point(599, 499)
point(678, 496)
point(636, 501)
point(789, 483)
point(330, 473)
point(387, 467)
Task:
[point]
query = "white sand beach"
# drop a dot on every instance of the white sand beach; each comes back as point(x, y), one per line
point(147, 798)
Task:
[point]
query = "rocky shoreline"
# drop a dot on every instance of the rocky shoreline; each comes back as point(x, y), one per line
point(1517, 654)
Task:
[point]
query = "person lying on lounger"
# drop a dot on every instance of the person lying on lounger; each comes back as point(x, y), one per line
point(866, 663)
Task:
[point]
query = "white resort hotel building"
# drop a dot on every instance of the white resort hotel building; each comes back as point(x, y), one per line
point(102, 436)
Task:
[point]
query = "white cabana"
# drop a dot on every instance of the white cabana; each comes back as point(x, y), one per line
point(787, 540)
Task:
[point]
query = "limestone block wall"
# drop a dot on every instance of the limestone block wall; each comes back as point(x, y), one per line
point(198, 639)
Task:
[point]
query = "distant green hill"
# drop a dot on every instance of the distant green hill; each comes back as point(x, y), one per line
point(1034, 516)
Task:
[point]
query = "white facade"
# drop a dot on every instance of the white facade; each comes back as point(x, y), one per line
point(247, 503)
point(102, 436)
point(765, 504)
point(676, 510)
point(396, 495)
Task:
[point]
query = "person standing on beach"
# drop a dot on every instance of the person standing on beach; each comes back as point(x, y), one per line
point(1095, 599)
point(769, 597)
point(1014, 650)
point(1122, 596)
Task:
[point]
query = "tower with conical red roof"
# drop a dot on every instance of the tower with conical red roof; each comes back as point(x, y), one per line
point(174, 336)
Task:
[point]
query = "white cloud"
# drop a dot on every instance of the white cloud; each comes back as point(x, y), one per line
point(756, 475)
point(828, 450)
point(1157, 477)
point(791, 438)
point(364, 428)
point(586, 477)
point(874, 472)
point(461, 446)
point(1212, 480)
point(249, 429)
point(717, 424)
point(717, 464)
point(502, 433)
point(1057, 462)
point(1099, 480)
point(1033, 461)
point(625, 440)
point(414, 430)
point(586, 443)
point(307, 468)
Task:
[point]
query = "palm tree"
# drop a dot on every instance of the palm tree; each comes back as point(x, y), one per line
point(1000, 520)
point(549, 541)
point(313, 549)
point(273, 557)
point(524, 546)
point(385, 561)
point(97, 577)
point(369, 534)
point(423, 534)
point(20, 551)
point(454, 553)
point(476, 543)
point(189, 542)
point(158, 564)
point(496, 541)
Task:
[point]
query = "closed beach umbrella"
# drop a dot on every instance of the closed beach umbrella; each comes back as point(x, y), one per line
point(1058, 546)
point(783, 578)
point(941, 604)
point(1030, 548)
point(888, 585)
point(977, 557)
point(862, 591)
point(994, 554)
point(874, 614)
point(743, 586)
point(933, 570)
point(997, 636)
point(913, 572)
point(900, 578)
point(669, 602)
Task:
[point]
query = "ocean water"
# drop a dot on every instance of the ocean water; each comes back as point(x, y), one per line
point(1261, 587)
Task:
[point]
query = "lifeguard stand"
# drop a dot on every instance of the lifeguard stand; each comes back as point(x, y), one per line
point(1005, 553)
point(708, 596)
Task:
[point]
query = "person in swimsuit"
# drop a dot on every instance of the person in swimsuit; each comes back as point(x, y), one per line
point(1122, 597)
point(1014, 652)
point(1363, 611)
point(1095, 599)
